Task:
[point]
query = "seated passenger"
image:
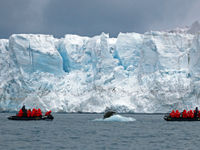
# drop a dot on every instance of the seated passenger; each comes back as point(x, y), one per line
point(29, 113)
point(184, 114)
point(172, 114)
point(177, 114)
point(199, 114)
point(48, 113)
point(36, 112)
point(190, 114)
point(33, 113)
point(39, 113)
point(20, 114)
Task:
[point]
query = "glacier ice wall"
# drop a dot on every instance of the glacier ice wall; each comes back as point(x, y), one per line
point(36, 52)
point(151, 72)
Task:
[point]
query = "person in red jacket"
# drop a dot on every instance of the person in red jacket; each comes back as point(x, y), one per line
point(184, 114)
point(48, 113)
point(33, 113)
point(36, 112)
point(177, 114)
point(199, 114)
point(172, 114)
point(191, 114)
point(20, 114)
point(39, 113)
point(188, 114)
point(29, 113)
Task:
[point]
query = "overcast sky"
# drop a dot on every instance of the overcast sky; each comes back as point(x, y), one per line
point(91, 17)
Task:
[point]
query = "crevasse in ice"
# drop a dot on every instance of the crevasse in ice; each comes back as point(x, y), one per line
point(150, 72)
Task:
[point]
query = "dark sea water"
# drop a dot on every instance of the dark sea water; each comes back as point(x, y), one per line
point(80, 131)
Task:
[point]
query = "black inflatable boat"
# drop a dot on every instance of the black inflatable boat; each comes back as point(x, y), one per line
point(168, 118)
point(50, 117)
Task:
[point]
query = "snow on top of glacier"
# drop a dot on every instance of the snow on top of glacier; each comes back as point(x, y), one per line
point(37, 42)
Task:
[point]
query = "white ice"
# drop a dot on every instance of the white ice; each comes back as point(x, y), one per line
point(150, 72)
point(117, 118)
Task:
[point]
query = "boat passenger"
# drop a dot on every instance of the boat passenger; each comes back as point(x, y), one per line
point(24, 111)
point(48, 113)
point(199, 114)
point(36, 112)
point(39, 113)
point(177, 114)
point(196, 112)
point(172, 114)
point(184, 114)
point(33, 113)
point(188, 114)
point(20, 114)
point(29, 113)
point(191, 114)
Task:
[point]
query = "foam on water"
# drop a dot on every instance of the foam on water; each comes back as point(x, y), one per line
point(117, 118)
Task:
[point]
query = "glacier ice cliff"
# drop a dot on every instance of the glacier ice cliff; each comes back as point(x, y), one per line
point(150, 72)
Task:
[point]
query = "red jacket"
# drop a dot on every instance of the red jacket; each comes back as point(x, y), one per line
point(190, 114)
point(33, 113)
point(198, 114)
point(177, 114)
point(48, 113)
point(39, 112)
point(172, 114)
point(184, 114)
point(20, 114)
point(28, 113)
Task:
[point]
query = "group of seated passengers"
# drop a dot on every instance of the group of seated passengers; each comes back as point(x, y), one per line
point(23, 112)
point(185, 114)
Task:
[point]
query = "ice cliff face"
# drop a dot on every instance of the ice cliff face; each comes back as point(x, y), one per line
point(151, 72)
point(36, 52)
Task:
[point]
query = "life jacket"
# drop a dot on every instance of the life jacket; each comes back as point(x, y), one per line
point(48, 113)
point(39, 112)
point(199, 114)
point(20, 114)
point(172, 114)
point(33, 113)
point(28, 113)
point(190, 114)
point(177, 114)
point(184, 114)
point(36, 113)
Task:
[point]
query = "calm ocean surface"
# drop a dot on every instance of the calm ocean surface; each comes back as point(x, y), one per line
point(80, 131)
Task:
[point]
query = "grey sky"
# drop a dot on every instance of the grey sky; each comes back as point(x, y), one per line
point(91, 17)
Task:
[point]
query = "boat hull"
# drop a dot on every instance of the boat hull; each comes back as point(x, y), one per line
point(31, 118)
point(168, 118)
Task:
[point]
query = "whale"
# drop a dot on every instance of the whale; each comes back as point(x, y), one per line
point(108, 114)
